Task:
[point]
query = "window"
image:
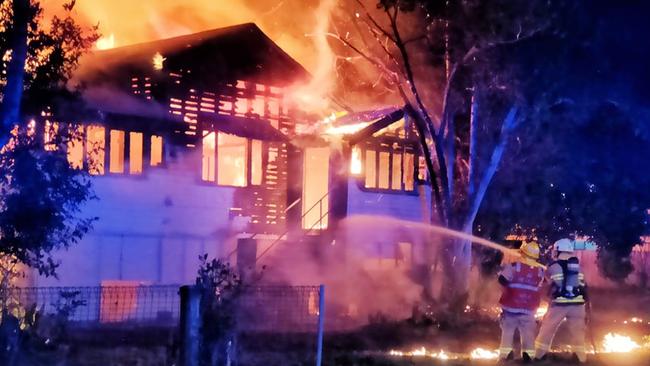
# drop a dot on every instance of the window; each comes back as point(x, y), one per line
point(396, 182)
point(371, 169)
point(231, 160)
point(95, 143)
point(384, 170)
point(116, 152)
point(75, 148)
point(394, 169)
point(409, 171)
point(256, 162)
point(208, 163)
point(156, 150)
point(135, 153)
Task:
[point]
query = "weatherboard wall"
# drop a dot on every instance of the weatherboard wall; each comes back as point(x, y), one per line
point(150, 229)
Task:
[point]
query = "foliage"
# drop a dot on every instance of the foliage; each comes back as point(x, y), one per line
point(28, 330)
point(54, 49)
point(220, 289)
point(579, 166)
point(453, 65)
point(40, 199)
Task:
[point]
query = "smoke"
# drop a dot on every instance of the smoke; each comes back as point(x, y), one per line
point(371, 266)
point(313, 95)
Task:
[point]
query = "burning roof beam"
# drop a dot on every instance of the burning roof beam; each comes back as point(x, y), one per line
point(376, 126)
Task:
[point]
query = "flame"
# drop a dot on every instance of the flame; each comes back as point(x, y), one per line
point(355, 161)
point(346, 129)
point(483, 354)
point(158, 61)
point(422, 352)
point(617, 343)
point(105, 43)
point(541, 311)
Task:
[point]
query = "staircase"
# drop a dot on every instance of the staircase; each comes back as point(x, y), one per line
point(315, 231)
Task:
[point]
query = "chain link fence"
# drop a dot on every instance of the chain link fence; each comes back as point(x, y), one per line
point(285, 309)
point(132, 305)
point(260, 308)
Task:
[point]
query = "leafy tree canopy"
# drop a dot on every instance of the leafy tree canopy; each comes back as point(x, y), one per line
point(54, 48)
point(41, 196)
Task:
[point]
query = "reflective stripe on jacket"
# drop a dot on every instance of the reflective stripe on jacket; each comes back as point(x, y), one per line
point(522, 293)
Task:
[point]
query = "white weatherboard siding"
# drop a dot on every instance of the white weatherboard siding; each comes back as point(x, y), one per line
point(396, 205)
point(151, 229)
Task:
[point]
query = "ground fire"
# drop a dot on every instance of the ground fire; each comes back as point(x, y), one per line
point(338, 182)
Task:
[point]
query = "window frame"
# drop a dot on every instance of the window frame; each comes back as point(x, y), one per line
point(249, 161)
point(387, 146)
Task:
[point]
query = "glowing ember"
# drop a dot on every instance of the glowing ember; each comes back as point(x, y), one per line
point(441, 355)
point(421, 352)
point(158, 61)
point(483, 354)
point(541, 311)
point(616, 343)
point(105, 43)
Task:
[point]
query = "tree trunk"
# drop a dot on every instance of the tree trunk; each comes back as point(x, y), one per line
point(13, 91)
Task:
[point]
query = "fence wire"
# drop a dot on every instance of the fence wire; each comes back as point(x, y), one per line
point(133, 305)
point(286, 309)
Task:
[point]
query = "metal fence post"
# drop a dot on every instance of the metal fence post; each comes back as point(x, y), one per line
point(321, 324)
point(190, 325)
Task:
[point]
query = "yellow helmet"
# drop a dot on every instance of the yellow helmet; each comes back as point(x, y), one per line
point(530, 249)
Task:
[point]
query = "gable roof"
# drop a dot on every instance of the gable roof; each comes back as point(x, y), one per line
point(240, 52)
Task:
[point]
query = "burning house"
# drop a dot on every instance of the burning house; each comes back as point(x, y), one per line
point(195, 148)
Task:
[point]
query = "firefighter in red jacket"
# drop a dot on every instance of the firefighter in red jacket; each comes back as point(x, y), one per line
point(521, 281)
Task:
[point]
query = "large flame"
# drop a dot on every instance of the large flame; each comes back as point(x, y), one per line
point(617, 343)
point(476, 354)
point(105, 42)
point(483, 354)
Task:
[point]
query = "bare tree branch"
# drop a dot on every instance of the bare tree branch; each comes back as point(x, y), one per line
point(422, 110)
point(374, 22)
point(368, 58)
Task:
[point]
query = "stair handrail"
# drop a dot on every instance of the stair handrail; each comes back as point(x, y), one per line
point(287, 231)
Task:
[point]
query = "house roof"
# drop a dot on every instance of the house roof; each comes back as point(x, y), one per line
point(388, 117)
point(240, 52)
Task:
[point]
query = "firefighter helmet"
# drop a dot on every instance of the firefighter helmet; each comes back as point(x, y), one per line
point(563, 246)
point(530, 249)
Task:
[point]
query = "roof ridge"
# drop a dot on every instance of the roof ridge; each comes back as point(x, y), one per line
point(195, 35)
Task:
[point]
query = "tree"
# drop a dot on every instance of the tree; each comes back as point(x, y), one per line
point(581, 166)
point(38, 58)
point(40, 194)
point(448, 62)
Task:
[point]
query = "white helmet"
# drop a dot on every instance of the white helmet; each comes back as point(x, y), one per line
point(563, 246)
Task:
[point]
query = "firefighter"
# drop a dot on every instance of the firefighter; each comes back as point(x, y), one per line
point(521, 281)
point(567, 301)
